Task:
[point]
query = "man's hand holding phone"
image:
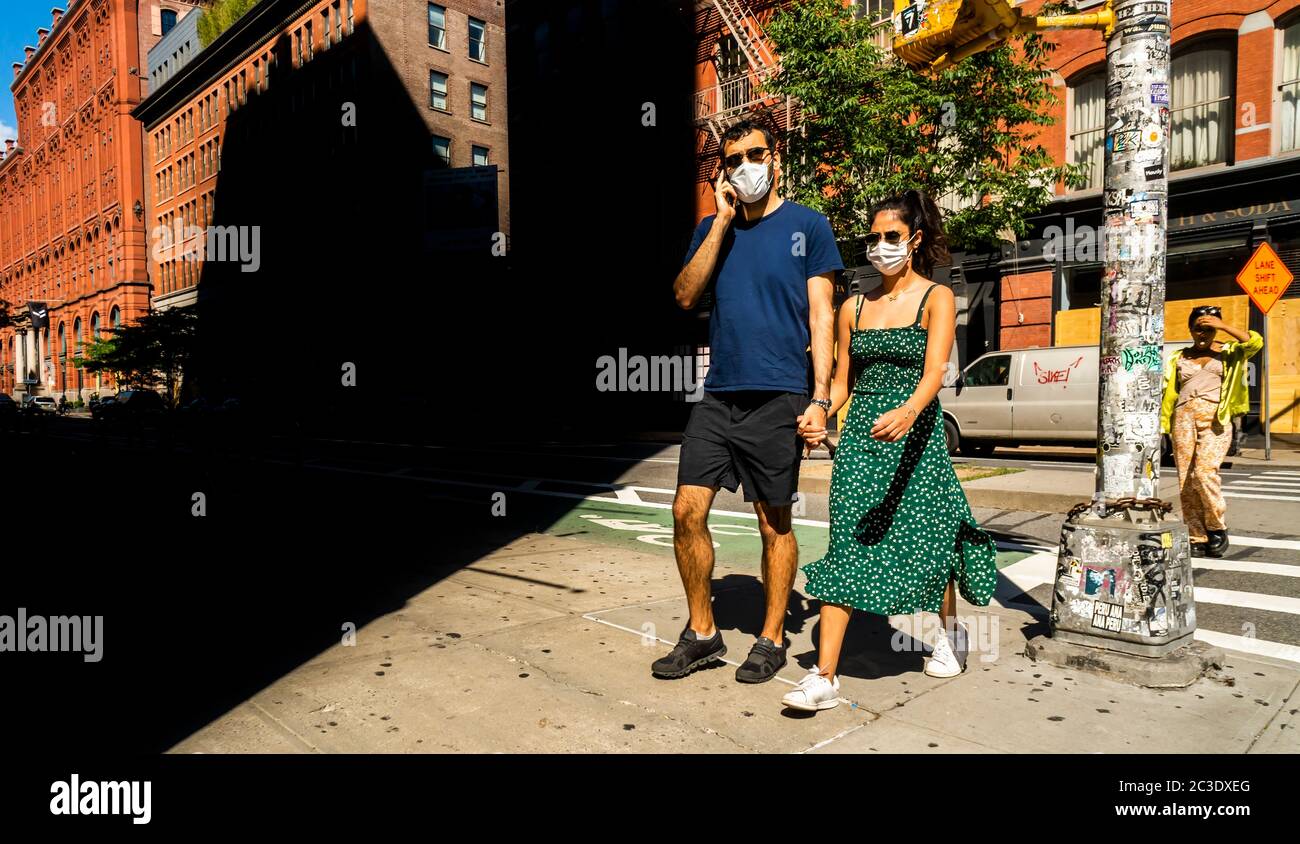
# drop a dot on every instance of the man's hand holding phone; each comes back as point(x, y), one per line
point(725, 196)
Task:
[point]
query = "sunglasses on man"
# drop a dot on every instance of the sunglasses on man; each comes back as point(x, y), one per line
point(753, 154)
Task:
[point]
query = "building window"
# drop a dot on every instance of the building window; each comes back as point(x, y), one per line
point(442, 149)
point(325, 28)
point(310, 41)
point(1290, 88)
point(477, 40)
point(1087, 126)
point(437, 26)
point(350, 16)
point(297, 46)
point(437, 90)
point(338, 22)
point(478, 101)
point(168, 20)
point(1201, 114)
point(480, 155)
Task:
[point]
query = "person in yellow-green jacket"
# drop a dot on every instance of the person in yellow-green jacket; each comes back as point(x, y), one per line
point(1205, 386)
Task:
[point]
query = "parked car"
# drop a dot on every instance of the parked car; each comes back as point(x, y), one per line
point(8, 407)
point(1038, 396)
point(99, 405)
point(133, 406)
point(45, 404)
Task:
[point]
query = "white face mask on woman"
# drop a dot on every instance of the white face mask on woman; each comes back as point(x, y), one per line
point(889, 258)
point(751, 181)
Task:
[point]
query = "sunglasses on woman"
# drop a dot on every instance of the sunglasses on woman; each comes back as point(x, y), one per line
point(754, 154)
point(892, 238)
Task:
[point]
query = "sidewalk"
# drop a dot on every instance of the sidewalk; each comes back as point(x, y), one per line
point(544, 645)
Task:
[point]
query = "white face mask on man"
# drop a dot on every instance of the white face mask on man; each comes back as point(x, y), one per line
point(889, 258)
point(751, 181)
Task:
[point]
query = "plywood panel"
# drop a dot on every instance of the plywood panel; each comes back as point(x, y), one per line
point(1284, 363)
point(1078, 327)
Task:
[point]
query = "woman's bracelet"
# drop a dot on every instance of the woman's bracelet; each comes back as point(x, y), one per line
point(909, 407)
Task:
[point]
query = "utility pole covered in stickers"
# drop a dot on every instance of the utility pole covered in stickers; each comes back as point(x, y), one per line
point(1124, 579)
point(1123, 575)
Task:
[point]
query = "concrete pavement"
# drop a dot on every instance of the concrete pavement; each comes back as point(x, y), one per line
point(543, 644)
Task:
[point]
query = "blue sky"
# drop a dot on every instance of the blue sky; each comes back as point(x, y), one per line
point(19, 20)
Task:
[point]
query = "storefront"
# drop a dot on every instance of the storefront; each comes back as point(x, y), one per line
point(1216, 220)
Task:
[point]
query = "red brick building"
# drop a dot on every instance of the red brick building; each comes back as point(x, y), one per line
point(72, 223)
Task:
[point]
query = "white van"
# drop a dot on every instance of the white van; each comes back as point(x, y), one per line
point(1038, 396)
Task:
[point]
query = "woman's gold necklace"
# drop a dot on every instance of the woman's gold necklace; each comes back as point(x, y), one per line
point(896, 295)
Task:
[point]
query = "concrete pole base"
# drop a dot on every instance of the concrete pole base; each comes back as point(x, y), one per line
point(1176, 670)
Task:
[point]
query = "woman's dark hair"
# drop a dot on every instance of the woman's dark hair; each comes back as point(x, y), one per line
point(918, 211)
point(1203, 310)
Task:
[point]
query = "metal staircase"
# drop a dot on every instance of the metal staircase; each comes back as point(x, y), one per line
point(729, 99)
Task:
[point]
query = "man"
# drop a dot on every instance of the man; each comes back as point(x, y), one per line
point(773, 264)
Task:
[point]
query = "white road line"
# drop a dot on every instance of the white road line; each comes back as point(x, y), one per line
point(1227, 494)
point(1246, 566)
point(1283, 474)
point(1247, 600)
point(1281, 486)
point(1264, 542)
point(1246, 644)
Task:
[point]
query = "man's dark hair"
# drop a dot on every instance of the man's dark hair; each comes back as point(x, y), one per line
point(739, 131)
point(1203, 310)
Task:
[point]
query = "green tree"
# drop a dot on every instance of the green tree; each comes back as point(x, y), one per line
point(220, 17)
point(872, 127)
point(153, 351)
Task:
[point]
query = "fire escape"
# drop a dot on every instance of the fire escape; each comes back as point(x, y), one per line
point(741, 70)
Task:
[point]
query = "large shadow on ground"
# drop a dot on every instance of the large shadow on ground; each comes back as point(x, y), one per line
point(450, 347)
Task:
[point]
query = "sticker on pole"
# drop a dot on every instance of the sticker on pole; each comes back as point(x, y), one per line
point(1264, 278)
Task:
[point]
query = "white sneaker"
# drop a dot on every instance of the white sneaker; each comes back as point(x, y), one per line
point(814, 692)
point(943, 662)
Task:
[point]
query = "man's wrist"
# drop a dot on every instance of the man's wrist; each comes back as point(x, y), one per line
point(824, 404)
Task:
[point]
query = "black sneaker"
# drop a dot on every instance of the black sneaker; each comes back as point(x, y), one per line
point(764, 660)
point(1199, 549)
point(1218, 544)
point(689, 653)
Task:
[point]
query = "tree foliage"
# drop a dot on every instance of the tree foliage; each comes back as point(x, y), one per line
point(221, 17)
point(872, 127)
point(153, 351)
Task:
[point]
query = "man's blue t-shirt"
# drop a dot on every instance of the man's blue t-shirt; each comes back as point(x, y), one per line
point(758, 332)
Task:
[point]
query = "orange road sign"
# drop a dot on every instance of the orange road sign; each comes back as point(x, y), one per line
point(1264, 278)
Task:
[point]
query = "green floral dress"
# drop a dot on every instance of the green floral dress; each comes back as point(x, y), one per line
point(901, 527)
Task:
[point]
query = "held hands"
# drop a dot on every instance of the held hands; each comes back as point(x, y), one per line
point(812, 427)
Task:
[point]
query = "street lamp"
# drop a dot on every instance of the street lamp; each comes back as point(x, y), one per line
point(1123, 575)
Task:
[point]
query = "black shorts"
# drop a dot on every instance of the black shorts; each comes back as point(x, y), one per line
point(745, 438)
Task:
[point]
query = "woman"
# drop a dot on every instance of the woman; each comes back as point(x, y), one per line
point(1205, 386)
point(902, 534)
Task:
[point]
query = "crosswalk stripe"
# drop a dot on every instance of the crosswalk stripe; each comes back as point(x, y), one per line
point(1282, 485)
point(1247, 600)
point(1246, 566)
point(1264, 542)
point(1278, 472)
point(1247, 644)
point(1266, 497)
